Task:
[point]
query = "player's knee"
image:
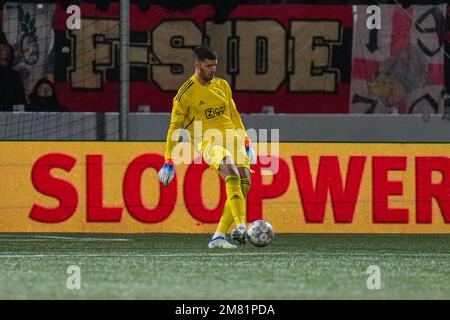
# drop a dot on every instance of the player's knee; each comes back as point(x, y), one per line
point(227, 160)
point(232, 170)
point(228, 167)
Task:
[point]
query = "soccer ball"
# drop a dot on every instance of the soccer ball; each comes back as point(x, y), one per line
point(260, 233)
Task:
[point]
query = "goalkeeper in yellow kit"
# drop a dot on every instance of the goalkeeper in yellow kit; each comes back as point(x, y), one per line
point(205, 107)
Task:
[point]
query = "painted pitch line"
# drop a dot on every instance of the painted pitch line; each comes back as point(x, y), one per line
point(45, 238)
point(371, 254)
point(83, 238)
point(23, 240)
point(365, 255)
point(139, 255)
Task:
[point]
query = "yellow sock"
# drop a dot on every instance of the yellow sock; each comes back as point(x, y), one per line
point(227, 217)
point(245, 186)
point(236, 198)
point(226, 220)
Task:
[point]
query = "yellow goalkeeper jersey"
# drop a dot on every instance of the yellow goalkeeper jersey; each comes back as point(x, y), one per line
point(210, 104)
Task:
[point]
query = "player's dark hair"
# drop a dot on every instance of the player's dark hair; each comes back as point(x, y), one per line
point(204, 52)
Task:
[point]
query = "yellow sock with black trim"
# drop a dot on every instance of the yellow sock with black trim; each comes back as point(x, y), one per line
point(236, 198)
point(226, 220)
point(245, 186)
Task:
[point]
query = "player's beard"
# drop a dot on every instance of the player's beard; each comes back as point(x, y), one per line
point(206, 77)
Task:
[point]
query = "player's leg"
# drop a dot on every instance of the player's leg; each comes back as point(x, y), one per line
point(227, 219)
point(241, 160)
point(235, 197)
point(244, 173)
point(245, 186)
point(221, 160)
point(235, 205)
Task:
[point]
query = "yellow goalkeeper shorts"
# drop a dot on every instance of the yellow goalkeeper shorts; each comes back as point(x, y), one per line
point(213, 152)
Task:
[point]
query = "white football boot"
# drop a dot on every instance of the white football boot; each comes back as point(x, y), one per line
point(222, 243)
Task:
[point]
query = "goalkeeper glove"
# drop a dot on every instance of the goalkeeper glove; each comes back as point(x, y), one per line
point(250, 152)
point(166, 173)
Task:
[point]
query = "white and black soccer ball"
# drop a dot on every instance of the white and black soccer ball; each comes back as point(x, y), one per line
point(260, 233)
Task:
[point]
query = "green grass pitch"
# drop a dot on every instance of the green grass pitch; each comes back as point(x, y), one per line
point(169, 266)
